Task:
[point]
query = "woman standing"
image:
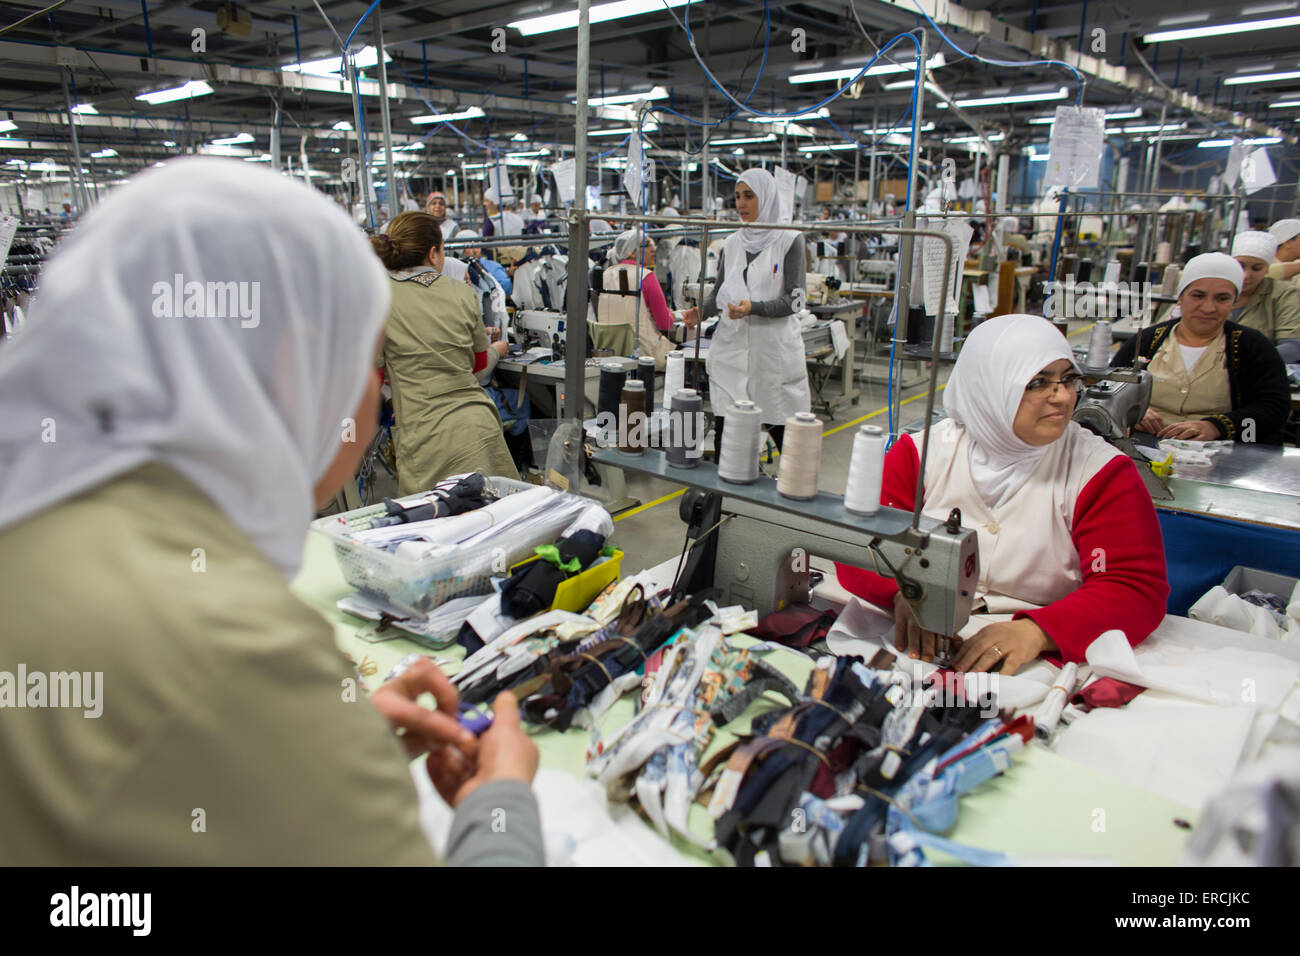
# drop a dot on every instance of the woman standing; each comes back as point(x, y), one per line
point(1213, 378)
point(757, 351)
point(436, 342)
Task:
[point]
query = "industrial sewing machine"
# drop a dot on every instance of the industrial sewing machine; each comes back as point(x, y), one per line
point(540, 327)
point(754, 545)
point(1110, 407)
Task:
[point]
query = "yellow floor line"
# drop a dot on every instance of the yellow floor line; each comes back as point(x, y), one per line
point(879, 411)
point(658, 501)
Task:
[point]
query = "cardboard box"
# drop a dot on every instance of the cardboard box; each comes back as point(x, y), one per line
point(825, 191)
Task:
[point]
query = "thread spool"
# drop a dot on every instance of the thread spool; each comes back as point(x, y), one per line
point(645, 371)
point(866, 471)
point(612, 377)
point(738, 461)
point(1169, 284)
point(1140, 272)
point(1164, 253)
point(632, 418)
point(686, 428)
point(801, 456)
point(946, 332)
point(1099, 345)
point(674, 373)
point(1112, 273)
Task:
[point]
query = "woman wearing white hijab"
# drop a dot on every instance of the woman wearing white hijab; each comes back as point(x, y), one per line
point(1214, 379)
point(1266, 304)
point(197, 377)
point(1068, 539)
point(643, 307)
point(757, 352)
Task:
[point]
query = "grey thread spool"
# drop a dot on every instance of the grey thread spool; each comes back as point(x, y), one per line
point(645, 371)
point(632, 418)
point(612, 377)
point(738, 462)
point(801, 456)
point(686, 428)
point(1099, 345)
point(866, 471)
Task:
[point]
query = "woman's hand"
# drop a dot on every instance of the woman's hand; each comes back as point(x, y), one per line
point(909, 638)
point(1151, 422)
point(420, 729)
point(1014, 643)
point(1191, 431)
point(691, 317)
point(740, 309)
point(505, 753)
point(502, 347)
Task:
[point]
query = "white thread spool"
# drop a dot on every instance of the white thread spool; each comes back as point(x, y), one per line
point(738, 457)
point(801, 456)
point(1164, 253)
point(1099, 345)
point(1169, 281)
point(674, 373)
point(946, 333)
point(1112, 273)
point(866, 471)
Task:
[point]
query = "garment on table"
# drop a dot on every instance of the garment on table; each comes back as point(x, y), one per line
point(1257, 385)
point(1273, 309)
point(646, 313)
point(760, 357)
point(446, 423)
point(1039, 552)
point(220, 693)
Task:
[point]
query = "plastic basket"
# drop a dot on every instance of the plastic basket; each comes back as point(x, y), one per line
point(419, 585)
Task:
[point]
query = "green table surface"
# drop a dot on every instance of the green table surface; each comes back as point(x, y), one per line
point(1043, 805)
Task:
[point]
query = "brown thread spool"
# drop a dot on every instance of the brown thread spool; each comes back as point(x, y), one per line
point(632, 417)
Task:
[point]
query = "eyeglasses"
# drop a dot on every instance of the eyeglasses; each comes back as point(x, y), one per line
point(1040, 386)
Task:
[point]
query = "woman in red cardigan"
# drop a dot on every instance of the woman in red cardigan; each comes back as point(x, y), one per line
point(1068, 538)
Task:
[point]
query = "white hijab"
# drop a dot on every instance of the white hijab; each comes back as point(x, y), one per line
point(997, 361)
point(250, 410)
point(627, 245)
point(769, 210)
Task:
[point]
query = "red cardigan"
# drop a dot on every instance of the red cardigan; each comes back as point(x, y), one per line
point(1113, 513)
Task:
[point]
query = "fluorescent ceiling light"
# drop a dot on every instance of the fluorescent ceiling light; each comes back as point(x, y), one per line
point(1284, 104)
point(343, 126)
point(1183, 18)
point(814, 149)
point(600, 13)
point(233, 140)
point(1263, 77)
point(534, 152)
point(738, 151)
point(85, 109)
point(619, 99)
point(472, 113)
point(507, 161)
point(1222, 29)
point(519, 138)
point(330, 66)
point(822, 113)
point(1259, 141)
point(1152, 128)
point(1152, 139)
point(741, 140)
point(103, 154)
point(845, 73)
point(264, 158)
point(620, 131)
point(908, 84)
point(1040, 158)
point(1268, 8)
point(7, 143)
point(169, 144)
point(7, 125)
point(906, 130)
point(993, 138)
point(1060, 94)
point(210, 150)
point(190, 90)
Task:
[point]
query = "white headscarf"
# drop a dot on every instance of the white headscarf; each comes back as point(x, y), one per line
point(627, 244)
point(769, 210)
point(1285, 230)
point(984, 391)
point(250, 411)
point(1260, 245)
point(1212, 265)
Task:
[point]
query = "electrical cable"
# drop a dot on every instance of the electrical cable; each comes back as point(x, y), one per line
point(32, 16)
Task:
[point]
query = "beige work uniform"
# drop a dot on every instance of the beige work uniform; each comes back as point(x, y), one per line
point(632, 310)
point(1274, 309)
point(1182, 396)
point(446, 423)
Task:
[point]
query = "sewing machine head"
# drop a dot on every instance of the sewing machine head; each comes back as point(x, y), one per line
point(760, 556)
point(538, 326)
point(1114, 404)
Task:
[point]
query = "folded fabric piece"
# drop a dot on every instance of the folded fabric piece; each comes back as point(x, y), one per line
point(795, 626)
point(1106, 692)
point(1222, 607)
point(532, 588)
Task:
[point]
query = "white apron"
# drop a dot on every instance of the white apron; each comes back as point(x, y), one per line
point(633, 311)
point(1027, 555)
point(758, 358)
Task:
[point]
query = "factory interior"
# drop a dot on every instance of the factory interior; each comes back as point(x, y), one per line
point(364, 482)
